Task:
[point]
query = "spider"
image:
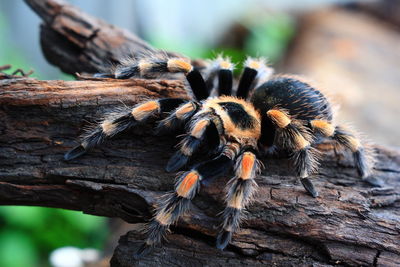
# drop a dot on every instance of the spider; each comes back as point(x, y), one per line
point(266, 113)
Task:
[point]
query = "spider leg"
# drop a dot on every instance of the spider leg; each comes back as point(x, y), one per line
point(211, 73)
point(121, 120)
point(239, 194)
point(363, 156)
point(201, 128)
point(293, 136)
point(177, 118)
point(219, 69)
point(160, 64)
point(255, 71)
point(178, 202)
point(225, 77)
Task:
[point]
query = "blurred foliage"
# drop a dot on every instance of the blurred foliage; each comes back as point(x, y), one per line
point(270, 37)
point(267, 37)
point(29, 234)
point(11, 54)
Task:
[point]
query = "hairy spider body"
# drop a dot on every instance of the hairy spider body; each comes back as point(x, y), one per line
point(279, 112)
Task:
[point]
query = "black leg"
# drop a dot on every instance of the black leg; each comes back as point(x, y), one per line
point(197, 84)
point(178, 118)
point(245, 82)
point(225, 79)
point(154, 65)
point(363, 155)
point(255, 72)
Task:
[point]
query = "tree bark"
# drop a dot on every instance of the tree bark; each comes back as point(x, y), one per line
point(350, 223)
point(78, 42)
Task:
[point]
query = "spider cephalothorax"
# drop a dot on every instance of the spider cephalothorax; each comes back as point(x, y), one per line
point(280, 113)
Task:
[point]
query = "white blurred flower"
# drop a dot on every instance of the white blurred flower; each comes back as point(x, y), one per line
point(73, 257)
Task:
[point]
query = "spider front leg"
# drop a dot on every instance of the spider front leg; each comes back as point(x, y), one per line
point(254, 73)
point(293, 136)
point(219, 76)
point(176, 203)
point(239, 194)
point(202, 128)
point(122, 120)
point(158, 64)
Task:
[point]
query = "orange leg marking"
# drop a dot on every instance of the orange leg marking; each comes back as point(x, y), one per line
point(199, 128)
point(279, 117)
point(187, 184)
point(248, 162)
point(325, 127)
point(140, 112)
point(178, 65)
point(149, 106)
point(183, 110)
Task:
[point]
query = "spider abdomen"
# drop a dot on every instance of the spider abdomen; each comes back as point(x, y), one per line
point(297, 97)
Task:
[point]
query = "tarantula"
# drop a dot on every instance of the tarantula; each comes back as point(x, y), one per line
point(280, 113)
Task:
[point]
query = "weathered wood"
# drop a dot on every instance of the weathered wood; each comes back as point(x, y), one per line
point(350, 223)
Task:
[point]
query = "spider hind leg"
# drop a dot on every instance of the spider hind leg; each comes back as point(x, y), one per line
point(363, 156)
point(293, 136)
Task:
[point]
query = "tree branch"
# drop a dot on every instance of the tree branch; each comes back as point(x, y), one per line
point(350, 222)
point(78, 42)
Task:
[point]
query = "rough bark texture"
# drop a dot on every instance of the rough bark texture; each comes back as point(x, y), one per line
point(350, 223)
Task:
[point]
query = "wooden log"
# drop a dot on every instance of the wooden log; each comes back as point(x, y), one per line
point(351, 223)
